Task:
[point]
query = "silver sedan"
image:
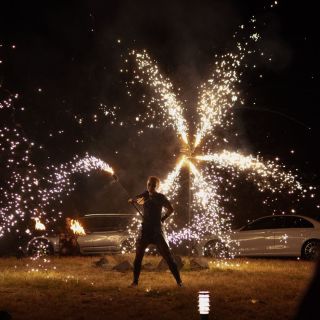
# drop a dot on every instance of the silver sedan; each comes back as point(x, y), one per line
point(277, 235)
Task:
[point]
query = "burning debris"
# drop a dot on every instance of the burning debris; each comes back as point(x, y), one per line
point(39, 225)
point(77, 228)
point(68, 240)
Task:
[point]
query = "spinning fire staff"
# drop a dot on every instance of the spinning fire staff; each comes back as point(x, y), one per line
point(152, 231)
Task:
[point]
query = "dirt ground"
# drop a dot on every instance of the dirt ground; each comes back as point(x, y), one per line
point(74, 288)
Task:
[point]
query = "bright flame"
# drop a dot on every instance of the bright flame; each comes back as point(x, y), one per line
point(39, 225)
point(108, 169)
point(76, 227)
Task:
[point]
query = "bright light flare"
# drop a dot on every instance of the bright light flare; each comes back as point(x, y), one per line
point(39, 225)
point(192, 167)
point(77, 228)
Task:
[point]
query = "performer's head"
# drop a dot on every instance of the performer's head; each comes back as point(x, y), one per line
point(153, 184)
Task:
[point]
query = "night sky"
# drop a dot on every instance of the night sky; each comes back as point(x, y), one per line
point(63, 58)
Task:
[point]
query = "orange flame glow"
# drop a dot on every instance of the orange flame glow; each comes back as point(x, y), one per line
point(77, 228)
point(39, 225)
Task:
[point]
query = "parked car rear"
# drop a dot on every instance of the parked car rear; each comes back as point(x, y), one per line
point(277, 235)
point(105, 233)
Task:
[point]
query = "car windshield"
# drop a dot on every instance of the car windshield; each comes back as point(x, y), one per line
point(105, 223)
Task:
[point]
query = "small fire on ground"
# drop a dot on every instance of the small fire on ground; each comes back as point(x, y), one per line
point(76, 227)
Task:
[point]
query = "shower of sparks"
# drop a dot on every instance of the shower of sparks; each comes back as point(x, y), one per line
point(217, 97)
point(266, 175)
point(32, 192)
point(168, 186)
point(164, 93)
point(208, 217)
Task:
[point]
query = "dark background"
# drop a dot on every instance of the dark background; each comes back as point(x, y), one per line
point(69, 49)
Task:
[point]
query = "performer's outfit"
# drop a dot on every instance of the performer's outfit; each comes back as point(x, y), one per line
point(152, 233)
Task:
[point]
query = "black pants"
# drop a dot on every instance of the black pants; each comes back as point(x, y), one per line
point(157, 238)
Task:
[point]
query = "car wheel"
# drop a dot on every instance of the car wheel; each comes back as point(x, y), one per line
point(311, 250)
point(215, 249)
point(40, 247)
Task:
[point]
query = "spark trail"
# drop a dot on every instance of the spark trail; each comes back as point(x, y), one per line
point(32, 192)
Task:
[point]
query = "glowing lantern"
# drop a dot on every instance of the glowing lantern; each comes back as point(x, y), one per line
point(204, 304)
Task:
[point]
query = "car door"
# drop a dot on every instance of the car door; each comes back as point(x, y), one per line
point(99, 233)
point(104, 233)
point(290, 237)
point(96, 240)
point(256, 238)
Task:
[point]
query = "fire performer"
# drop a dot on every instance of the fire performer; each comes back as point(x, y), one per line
point(151, 230)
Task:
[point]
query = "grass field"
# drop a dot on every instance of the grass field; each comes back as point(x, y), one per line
point(72, 288)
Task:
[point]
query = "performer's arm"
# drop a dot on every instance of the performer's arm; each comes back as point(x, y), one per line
point(138, 198)
point(169, 209)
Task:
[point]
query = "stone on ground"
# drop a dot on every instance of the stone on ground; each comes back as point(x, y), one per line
point(148, 267)
point(123, 266)
point(103, 262)
point(198, 264)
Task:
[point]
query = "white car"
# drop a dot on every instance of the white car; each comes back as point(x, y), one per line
point(277, 235)
point(105, 233)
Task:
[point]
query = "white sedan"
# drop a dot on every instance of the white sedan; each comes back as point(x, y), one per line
point(277, 235)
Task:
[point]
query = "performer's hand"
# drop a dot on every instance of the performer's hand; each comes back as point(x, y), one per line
point(140, 201)
point(131, 201)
